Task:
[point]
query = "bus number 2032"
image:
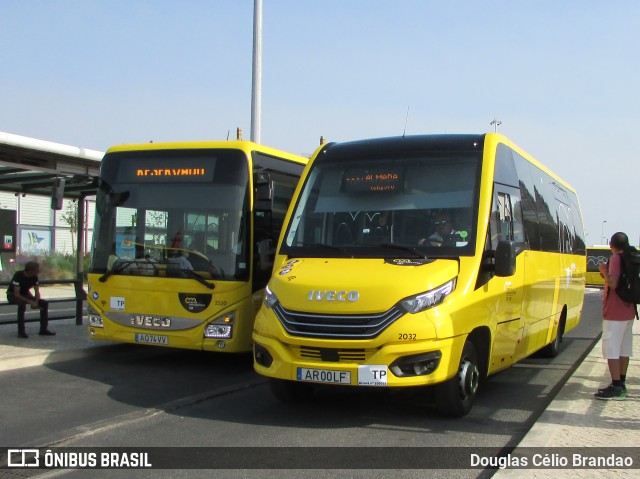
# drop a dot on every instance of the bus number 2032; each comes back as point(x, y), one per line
point(407, 336)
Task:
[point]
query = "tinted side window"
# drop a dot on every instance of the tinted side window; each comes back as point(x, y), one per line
point(579, 245)
point(528, 202)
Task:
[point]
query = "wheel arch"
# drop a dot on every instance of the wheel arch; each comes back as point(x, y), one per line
point(481, 339)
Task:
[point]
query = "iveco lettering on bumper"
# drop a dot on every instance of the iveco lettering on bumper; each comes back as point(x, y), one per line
point(333, 295)
point(150, 321)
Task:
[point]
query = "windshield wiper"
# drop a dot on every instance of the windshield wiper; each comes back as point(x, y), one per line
point(410, 249)
point(198, 278)
point(122, 265)
point(116, 268)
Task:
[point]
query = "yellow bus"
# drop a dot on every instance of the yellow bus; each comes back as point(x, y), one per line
point(184, 241)
point(596, 254)
point(420, 261)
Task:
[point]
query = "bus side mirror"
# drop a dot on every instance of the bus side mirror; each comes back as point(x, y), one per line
point(263, 192)
point(265, 254)
point(505, 258)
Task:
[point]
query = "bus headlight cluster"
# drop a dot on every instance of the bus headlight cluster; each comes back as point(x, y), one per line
point(270, 299)
point(427, 300)
point(95, 319)
point(221, 327)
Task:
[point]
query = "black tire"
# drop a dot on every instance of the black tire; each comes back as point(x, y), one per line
point(552, 349)
point(455, 397)
point(290, 392)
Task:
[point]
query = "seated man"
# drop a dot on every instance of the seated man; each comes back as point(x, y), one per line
point(19, 292)
point(445, 233)
point(179, 262)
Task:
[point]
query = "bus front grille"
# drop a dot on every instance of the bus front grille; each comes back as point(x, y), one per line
point(334, 355)
point(336, 326)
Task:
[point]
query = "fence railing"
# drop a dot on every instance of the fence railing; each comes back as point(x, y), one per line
point(77, 295)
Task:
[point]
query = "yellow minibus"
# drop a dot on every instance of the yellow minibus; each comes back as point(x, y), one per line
point(595, 255)
point(184, 241)
point(432, 260)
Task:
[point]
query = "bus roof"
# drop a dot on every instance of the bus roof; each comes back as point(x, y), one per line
point(416, 142)
point(246, 146)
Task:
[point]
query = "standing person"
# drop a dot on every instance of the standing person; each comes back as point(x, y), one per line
point(19, 292)
point(617, 335)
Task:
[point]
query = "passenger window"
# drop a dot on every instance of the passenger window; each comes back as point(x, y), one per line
point(506, 219)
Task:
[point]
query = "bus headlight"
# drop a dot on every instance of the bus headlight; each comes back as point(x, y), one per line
point(95, 319)
point(270, 299)
point(221, 327)
point(427, 300)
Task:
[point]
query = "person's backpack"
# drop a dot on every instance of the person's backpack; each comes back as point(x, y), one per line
point(629, 284)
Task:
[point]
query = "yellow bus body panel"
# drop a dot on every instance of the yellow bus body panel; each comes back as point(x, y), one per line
point(158, 298)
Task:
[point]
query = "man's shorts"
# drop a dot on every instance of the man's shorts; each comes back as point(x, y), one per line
point(617, 339)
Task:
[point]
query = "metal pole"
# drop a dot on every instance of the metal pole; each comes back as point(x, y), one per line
point(80, 227)
point(256, 90)
point(602, 232)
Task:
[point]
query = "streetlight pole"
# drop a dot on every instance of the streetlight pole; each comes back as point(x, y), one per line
point(603, 238)
point(256, 89)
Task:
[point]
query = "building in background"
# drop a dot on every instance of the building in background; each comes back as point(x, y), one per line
point(40, 229)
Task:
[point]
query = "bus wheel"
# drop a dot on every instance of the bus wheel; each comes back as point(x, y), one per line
point(552, 349)
point(455, 397)
point(290, 391)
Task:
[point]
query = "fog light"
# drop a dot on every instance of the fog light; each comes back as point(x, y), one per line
point(221, 344)
point(262, 356)
point(416, 365)
point(96, 321)
point(218, 331)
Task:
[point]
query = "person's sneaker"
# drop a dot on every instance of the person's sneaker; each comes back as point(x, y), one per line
point(616, 393)
point(23, 335)
point(624, 388)
point(46, 332)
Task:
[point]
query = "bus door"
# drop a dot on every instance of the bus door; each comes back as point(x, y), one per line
point(506, 224)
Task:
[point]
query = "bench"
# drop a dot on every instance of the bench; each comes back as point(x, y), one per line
point(77, 296)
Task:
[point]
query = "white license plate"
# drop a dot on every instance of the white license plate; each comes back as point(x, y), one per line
point(324, 376)
point(151, 339)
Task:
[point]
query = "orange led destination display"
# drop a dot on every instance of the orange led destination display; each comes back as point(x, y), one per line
point(171, 172)
point(372, 180)
point(166, 170)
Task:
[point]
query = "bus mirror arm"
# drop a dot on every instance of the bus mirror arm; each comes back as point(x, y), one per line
point(505, 258)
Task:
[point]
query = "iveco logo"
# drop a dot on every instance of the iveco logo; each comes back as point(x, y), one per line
point(150, 321)
point(319, 295)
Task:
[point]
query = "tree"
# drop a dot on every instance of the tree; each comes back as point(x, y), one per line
point(70, 218)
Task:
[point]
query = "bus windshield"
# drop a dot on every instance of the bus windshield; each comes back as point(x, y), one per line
point(173, 213)
point(421, 206)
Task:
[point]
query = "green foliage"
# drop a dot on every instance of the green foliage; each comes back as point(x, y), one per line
point(53, 265)
point(70, 217)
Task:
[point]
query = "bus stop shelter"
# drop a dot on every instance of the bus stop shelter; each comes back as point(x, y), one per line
point(29, 166)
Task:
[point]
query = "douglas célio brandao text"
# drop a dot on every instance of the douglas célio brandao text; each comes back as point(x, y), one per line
point(569, 460)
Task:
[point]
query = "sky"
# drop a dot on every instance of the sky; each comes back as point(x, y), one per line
point(561, 78)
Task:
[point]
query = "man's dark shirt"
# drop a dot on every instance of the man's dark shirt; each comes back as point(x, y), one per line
point(25, 283)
